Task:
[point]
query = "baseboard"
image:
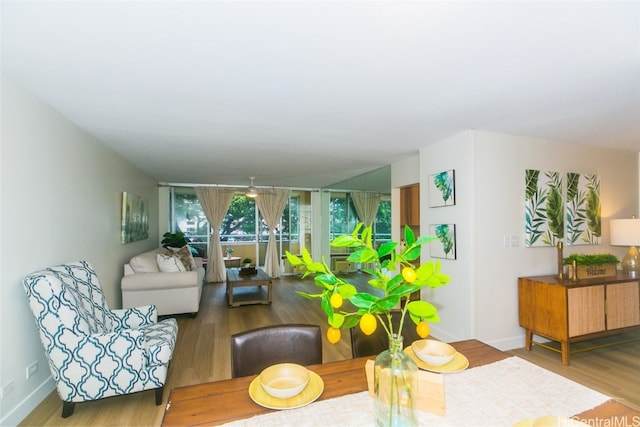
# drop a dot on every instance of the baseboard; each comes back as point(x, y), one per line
point(24, 408)
point(501, 344)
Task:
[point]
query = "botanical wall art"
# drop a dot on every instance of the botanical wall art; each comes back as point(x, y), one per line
point(442, 189)
point(583, 209)
point(544, 209)
point(135, 219)
point(554, 213)
point(445, 247)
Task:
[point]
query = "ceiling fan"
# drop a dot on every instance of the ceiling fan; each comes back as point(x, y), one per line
point(251, 190)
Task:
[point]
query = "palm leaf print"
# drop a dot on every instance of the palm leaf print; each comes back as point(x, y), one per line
point(444, 182)
point(555, 208)
point(446, 237)
point(593, 210)
point(535, 211)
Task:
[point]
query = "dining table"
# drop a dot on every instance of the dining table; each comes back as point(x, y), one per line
point(220, 402)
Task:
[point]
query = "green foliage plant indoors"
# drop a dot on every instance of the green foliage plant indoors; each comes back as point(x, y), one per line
point(388, 277)
point(173, 240)
point(593, 259)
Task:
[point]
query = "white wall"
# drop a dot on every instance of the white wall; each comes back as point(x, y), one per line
point(61, 193)
point(481, 300)
point(403, 173)
point(500, 162)
point(455, 300)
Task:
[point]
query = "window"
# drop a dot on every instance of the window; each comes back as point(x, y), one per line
point(343, 217)
point(242, 228)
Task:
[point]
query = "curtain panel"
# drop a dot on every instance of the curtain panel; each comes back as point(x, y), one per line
point(366, 205)
point(271, 204)
point(215, 203)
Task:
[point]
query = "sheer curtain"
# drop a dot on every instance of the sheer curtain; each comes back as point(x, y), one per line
point(215, 202)
point(366, 205)
point(271, 204)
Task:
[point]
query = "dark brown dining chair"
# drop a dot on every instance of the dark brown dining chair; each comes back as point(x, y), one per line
point(376, 343)
point(256, 349)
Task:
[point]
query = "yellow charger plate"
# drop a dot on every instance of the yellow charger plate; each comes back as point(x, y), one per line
point(457, 364)
point(311, 392)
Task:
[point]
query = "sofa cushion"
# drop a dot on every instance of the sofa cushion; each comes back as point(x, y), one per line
point(184, 253)
point(145, 263)
point(169, 263)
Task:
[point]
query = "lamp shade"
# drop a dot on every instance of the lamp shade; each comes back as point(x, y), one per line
point(625, 232)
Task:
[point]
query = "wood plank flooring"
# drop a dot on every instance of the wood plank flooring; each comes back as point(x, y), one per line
point(202, 354)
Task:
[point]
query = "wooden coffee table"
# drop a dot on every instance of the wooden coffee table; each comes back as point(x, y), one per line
point(248, 288)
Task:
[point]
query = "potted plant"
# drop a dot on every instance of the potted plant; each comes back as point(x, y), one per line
point(229, 251)
point(173, 240)
point(592, 265)
point(247, 262)
point(395, 275)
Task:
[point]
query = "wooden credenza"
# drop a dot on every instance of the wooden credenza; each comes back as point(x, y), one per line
point(569, 311)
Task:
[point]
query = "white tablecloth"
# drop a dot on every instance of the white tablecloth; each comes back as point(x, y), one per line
point(498, 394)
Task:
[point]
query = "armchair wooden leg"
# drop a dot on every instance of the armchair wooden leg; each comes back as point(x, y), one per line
point(159, 396)
point(67, 409)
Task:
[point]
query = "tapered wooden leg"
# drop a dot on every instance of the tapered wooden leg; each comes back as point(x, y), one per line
point(564, 347)
point(67, 409)
point(159, 396)
point(528, 337)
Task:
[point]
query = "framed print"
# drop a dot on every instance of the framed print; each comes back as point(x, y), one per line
point(445, 247)
point(135, 219)
point(442, 189)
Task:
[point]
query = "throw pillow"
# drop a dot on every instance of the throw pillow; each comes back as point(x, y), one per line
point(145, 263)
point(184, 253)
point(169, 263)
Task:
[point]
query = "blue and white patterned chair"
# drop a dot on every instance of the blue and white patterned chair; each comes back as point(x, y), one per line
point(95, 352)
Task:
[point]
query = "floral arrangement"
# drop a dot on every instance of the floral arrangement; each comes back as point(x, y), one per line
point(394, 275)
point(229, 251)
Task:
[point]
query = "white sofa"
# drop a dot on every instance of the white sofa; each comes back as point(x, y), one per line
point(171, 292)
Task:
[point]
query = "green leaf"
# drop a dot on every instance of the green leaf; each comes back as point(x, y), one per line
point(343, 241)
point(387, 303)
point(347, 291)
point(293, 260)
point(315, 267)
point(308, 296)
point(351, 321)
point(356, 230)
point(337, 320)
point(306, 256)
point(363, 255)
point(421, 309)
point(413, 254)
point(409, 236)
point(386, 248)
point(363, 300)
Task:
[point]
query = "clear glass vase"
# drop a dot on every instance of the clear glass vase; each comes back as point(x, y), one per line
point(395, 377)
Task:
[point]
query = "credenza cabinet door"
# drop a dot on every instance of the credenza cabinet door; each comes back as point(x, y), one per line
point(623, 305)
point(586, 310)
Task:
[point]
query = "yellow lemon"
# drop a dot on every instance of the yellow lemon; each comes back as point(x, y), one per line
point(336, 300)
point(368, 324)
point(422, 329)
point(333, 335)
point(409, 274)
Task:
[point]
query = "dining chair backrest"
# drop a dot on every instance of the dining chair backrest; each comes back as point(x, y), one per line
point(256, 349)
point(376, 343)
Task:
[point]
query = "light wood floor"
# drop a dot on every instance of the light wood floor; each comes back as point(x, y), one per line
point(202, 354)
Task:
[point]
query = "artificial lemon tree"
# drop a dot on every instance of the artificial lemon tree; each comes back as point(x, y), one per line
point(394, 276)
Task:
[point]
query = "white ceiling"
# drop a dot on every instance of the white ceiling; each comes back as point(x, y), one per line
point(310, 93)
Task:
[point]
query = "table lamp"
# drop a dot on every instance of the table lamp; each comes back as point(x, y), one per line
point(626, 232)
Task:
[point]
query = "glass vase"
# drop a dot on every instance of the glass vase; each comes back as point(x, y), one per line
point(395, 377)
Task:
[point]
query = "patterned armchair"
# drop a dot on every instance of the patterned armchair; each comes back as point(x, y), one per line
point(95, 352)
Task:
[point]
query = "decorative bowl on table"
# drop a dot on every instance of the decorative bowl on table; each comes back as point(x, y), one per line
point(284, 380)
point(433, 352)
